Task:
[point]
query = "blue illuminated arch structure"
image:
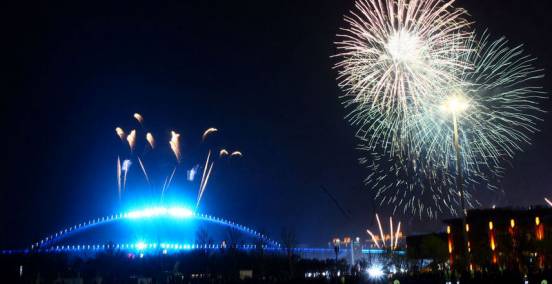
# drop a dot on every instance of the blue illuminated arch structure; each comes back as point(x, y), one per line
point(49, 243)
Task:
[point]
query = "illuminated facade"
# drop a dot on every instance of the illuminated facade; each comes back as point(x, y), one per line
point(507, 238)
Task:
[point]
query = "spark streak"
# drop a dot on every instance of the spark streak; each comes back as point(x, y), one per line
point(374, 239)
point(119, 176)
point(397, 235)
point(204, 185)
point(143, 170)
point(381, 230)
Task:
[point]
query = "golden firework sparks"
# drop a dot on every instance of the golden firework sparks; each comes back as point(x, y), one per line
point(151, 140)
point(139, 118)
point(207, 132)
point(131, 139)
point(120, 133)
point(175, 145)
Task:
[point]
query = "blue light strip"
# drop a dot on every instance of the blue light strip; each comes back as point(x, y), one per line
point(155, 212)
point(381, 251)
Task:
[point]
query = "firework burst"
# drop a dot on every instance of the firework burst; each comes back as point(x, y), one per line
point(135, 138)
point(500, 101)
point(501, 98)
point(393, 53)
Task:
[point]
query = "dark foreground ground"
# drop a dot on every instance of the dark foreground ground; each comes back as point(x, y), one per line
point(223, 267)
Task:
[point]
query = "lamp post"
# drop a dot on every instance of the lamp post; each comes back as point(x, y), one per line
point(336, 243)
point(455, 105)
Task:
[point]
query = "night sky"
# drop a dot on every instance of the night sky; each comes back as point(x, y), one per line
point(260, 71)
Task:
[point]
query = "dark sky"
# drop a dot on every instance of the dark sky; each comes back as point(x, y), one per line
point(260, 71)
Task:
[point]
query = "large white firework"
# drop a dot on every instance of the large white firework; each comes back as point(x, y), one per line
point(500, 100)
point(393, 53)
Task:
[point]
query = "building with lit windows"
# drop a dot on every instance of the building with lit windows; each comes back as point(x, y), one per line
point(515, 239)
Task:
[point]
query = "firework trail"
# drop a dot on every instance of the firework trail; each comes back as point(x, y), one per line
point(164, 186)
point(205, 168)
point(548, 202)
point(381, 230)
point(374, 239)
point(223, 152)
point(143, 169)
point(119, 176)
point(131, 139)
point(204, 177)
point(391, 243)
point(501, 98)
point(168, 183)
point(120, 132)
point(175, 145)
point(150, 139)
point(125, 168)
point(394, 235)
point(204, 185)
point(208, 132)
point(397, 235)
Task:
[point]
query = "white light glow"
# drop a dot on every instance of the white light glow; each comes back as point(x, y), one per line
point(141, 245)
point(375, 272)
point(175, 212)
